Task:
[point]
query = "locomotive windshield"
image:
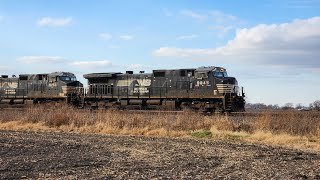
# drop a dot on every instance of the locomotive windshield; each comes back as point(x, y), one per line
point(67, 78)
point(220, 74)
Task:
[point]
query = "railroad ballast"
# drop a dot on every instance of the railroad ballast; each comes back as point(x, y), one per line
point(206, 89)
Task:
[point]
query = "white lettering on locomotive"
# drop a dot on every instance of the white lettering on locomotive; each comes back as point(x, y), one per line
point(141, 90)
point(53, 84)
point(10, 84)
point(10, 87)
point(202, 83)
point(134, 82)
point(144, 82)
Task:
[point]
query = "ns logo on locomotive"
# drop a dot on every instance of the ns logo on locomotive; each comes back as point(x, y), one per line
point(207, 89)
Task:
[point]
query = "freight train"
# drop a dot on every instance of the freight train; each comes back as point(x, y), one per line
point(207, 89)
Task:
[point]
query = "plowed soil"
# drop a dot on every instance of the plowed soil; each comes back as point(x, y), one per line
point(78, 156)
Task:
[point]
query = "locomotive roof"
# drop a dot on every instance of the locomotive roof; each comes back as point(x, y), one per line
point(113, 74)
point(200, 69)
point(208, 68)
point(101, 75)
point(174, 69)
point(61, 74)
point(51, 74)
point(41, 74)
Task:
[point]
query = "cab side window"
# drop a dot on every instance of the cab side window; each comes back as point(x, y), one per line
point(201, 75)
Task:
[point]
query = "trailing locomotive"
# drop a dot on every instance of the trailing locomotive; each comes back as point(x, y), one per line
point(206, 89)
point(38, 88)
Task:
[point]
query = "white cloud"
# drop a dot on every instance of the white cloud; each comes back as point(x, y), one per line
point(105, 36)
point(217, 21)
point(194, 15)
point(126, 37)
point(221, 30)
point(289, 44)
point(187, 37)
point(221, 17)
point(54, 22)
point(138, 66)
point(4, 68)
point(92, 64)
point(40, 59)
point(222, 22)
point(180, 52)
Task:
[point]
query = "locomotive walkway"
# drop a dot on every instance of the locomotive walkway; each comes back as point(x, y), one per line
point(77, 156)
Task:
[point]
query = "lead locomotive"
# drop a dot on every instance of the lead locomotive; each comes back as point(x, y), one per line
point(206, 89)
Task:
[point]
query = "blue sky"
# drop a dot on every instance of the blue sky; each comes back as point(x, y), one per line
point(272, 47)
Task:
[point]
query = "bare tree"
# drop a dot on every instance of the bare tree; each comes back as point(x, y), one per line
point(299, 106)
point(315, 105)
point(287, 106)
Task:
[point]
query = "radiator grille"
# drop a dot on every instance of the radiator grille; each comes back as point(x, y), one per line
point(225, 88)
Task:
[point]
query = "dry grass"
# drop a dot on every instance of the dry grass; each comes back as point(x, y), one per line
point(288, 128)
point(289, 122)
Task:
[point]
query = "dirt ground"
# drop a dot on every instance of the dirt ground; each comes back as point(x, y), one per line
point(77, 156)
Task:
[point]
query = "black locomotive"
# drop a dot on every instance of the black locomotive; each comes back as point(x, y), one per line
point(206, 89)
point(38, 88)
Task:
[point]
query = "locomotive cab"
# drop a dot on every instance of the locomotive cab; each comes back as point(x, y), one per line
point(224, 83)
point(65, 81)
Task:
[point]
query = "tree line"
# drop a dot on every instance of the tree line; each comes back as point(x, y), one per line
point(314, 106)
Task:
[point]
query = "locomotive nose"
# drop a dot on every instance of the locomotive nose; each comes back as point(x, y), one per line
point(229, 80)
point(75, 84)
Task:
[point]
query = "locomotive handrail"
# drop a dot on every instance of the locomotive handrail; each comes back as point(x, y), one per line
point(122, 92)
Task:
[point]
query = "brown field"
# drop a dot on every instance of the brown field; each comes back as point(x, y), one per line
point(288, 128)
point(53, 155)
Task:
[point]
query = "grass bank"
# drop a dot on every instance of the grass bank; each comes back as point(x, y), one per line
point(288, 128)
